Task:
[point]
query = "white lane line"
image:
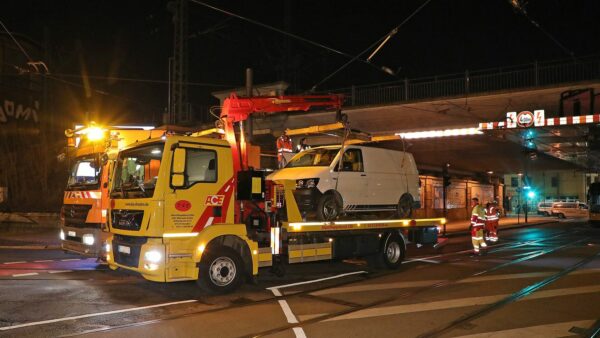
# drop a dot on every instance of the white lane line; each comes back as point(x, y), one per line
point(19, 262)
point(289, 315)
point(25, 274)
point(420, 260)
point(12, 327)
point(424, 283)
point(546, 330)
point(299, 332)
point(372, 287)
point(44, 261)
point(59, 271)
point(275, 289)
point(70, 259)
point(461, 302)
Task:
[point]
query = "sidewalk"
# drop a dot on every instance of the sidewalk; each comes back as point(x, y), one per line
point(506, 222)
point(29, 231)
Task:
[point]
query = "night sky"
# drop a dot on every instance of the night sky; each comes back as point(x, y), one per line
point(133, 39)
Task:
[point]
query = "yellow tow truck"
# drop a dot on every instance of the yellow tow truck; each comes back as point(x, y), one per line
point(188, 208)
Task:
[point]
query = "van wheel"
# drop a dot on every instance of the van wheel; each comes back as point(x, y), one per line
point(405, 206)
point(221, 270)
point(328, 208)
point(561, 215)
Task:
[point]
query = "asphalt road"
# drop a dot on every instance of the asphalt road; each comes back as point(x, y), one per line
point(537, 281)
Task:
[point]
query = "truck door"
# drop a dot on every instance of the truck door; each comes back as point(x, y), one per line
point(206, 195)
point(352, 178)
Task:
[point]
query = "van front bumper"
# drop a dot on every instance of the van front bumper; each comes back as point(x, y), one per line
point(307, 199)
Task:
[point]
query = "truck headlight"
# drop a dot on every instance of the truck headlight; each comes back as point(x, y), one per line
point(307, 183)
point(61, 235)
point(153, 256)
point(88, 239)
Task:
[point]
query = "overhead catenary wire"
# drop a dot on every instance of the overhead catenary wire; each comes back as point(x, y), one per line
point(16, 42)
point(297, 37)
point(380, 42)
point(520, 8)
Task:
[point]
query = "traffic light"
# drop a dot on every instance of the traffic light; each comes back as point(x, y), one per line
point(531, 194)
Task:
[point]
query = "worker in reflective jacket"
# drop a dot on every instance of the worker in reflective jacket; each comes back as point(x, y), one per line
point(492, 214)
point(284, 145)
point(477, 224)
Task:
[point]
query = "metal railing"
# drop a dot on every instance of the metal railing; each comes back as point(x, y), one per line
point(537, 74)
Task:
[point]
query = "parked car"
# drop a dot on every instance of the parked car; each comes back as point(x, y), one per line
point(330, 182)
point(544, 208)
point(569, 209)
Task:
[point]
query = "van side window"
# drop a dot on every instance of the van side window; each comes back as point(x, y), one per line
point(200, 166)
point(352, 160)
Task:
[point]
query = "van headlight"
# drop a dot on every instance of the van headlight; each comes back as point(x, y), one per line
point(61, 235)
point(153, 256)
point(88, 239)
point(307, 183)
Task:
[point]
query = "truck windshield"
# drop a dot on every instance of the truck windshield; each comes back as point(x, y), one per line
point(318, 157)
point(84, 173)
point(136, 171)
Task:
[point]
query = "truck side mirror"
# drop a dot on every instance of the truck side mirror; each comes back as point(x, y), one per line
point(177, 175)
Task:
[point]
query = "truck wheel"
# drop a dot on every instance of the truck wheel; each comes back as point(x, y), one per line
point(328, 208)
point(405, 206)
point(221, 270)
point(392, 253)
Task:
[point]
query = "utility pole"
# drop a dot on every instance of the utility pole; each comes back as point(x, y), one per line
point(179, 110)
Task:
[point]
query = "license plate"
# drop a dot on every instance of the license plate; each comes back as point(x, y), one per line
point(124, 249)
point(72, 234)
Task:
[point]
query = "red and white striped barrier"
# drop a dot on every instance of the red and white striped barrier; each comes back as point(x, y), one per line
point(553, 121)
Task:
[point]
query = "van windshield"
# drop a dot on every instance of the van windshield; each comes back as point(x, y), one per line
point(319, 157)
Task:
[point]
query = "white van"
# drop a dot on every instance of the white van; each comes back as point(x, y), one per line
point(569, 209)
point(368, 179)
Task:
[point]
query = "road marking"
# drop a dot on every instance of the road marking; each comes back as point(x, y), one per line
point(546, 330)
point(25, 274)
point(289, 315)
point(461, 302)
point(372, 287)
point(421, 260)
point(275, 289)
point(299, 332)
point(44, 261)
point(70, 259)
point(59, 271)
point(424, 283)
point(19, 262)
point(12, 327)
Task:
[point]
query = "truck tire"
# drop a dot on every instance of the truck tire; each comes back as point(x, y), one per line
point(221, 270)
point(328, 208)
point(392, 252)
point(405, 206)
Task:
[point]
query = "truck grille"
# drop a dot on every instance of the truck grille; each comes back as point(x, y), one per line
point(135, 246)
point(127, 219)
point(76, 214)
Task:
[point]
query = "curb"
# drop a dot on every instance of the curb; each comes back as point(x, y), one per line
point(30, 247)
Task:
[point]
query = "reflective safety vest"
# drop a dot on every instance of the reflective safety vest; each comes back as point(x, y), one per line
point(284, 144)
point(491, 213)
point(478, 216)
